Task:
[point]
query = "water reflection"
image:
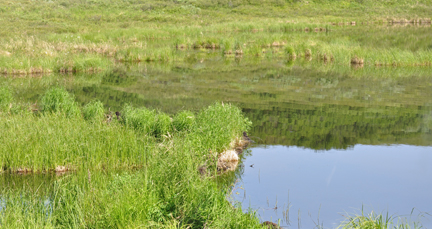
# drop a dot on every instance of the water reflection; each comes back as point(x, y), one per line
point(340, 127)
point(320, 187)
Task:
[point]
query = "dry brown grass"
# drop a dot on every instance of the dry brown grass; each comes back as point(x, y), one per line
point(357, 60)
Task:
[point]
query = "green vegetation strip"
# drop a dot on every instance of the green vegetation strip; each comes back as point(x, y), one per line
point(90, 36)
point(62, 133)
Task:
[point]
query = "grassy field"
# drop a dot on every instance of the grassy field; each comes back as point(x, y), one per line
point(90, 36)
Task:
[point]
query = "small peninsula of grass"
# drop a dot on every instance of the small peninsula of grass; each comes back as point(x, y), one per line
point(61, 133)
point(137, 170)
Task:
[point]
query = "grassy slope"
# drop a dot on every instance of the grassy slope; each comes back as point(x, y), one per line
point(60, 36)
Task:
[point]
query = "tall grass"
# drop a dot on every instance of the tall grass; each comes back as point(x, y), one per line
point(184, 121)
point(61, 136)
point(94, 111)
point(58, 100)
point(159, 186)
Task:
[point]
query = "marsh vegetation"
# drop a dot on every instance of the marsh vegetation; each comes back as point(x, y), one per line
point(114, 113)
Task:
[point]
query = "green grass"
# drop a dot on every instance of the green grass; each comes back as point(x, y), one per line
point(158, 184)
point(374, 220)
point(94, 111)
point(64, 134)
point(6, 99)
point(91, 36)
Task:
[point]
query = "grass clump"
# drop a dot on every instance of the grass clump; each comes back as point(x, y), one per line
point(94, 111)
point(58, 100)
point(184, 121)
point(290, 52)
point(217, 126)
point(140, 119)
point(378, 221)
point(163, 124)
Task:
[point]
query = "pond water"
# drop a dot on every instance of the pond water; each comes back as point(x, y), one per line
point(330, 139)
point(305, 188)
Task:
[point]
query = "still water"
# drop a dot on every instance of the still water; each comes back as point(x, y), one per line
point(306, 188)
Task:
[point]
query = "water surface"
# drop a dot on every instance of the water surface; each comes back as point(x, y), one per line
point(321, 187)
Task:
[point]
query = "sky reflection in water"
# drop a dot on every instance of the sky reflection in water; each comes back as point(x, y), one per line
point(325, 185)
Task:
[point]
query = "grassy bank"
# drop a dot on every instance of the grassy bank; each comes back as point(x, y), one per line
point(90, 137)
point(90, 36)
point(159, 186)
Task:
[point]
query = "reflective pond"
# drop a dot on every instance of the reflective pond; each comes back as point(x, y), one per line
point(305, 188)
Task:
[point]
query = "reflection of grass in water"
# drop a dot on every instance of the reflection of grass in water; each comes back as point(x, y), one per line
point(119, 77)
